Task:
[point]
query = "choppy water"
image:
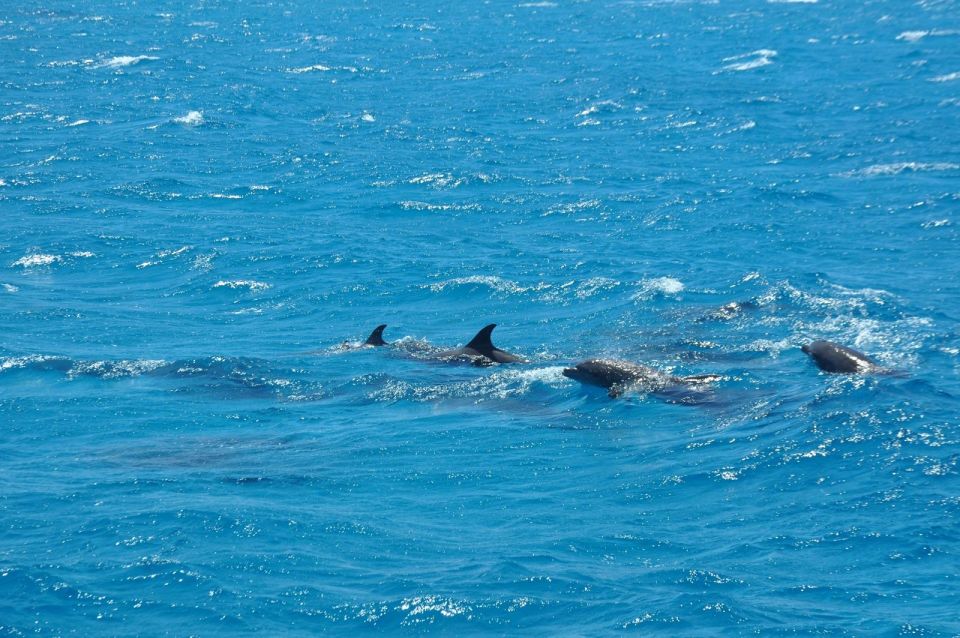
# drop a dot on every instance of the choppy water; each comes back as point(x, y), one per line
point(202, 201)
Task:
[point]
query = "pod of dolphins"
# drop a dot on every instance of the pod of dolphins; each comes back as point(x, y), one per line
point(619, 376)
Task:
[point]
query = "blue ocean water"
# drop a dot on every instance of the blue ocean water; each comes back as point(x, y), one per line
point(203, 201)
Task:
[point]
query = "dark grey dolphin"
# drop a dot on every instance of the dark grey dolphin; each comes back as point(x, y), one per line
point(376, 337)
point(619, 376)
point(832, 357)
point(481, 350)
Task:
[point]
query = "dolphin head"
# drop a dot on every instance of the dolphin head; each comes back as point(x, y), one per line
point(593, 372)
point(577, 373)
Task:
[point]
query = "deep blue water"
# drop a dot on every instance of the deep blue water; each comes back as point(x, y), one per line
point(202, 201)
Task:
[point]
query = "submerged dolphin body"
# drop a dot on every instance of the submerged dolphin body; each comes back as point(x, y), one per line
point(728, 311)
point(481, 350)
point(832, 357)
point(619, 376)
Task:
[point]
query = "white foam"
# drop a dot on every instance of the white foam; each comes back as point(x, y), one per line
point(173, 253)
point(916, 36)
point(773, 348)
point(512, 382)
point(565, 209)
point(746, 126)
point(10, 288)
point(19, 116)
point(78, 122)
point(592, 286)
point(936, 223)
point(193, 118)
point(749, 61)
point(793, 1)
point(900, 167)
point(913, 36)
point(438, 180)
point(543, 4)
point(495, 283)
point(32, 261)
point(125, 60)
point(603, 106)
point(203, 263)
point(163, 254)
point(225, 196)
point(418, 205)
point(875, 295)
point(659, 285)
point(323, 67)
point(253, 286)
point(949, 77)
point(308, 69)
point(422, 605)
point(86, 254)
point(3, 182)
point(16, 363)
point(115, 369)
point(502, 384)
point(367, 117)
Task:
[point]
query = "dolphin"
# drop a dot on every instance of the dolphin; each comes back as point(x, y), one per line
point(832, 357)
point(619, 376)
point(376, 337)
point(481, 350)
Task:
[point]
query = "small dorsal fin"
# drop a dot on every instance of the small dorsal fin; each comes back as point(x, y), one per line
point(376, 337)
point(482, 343)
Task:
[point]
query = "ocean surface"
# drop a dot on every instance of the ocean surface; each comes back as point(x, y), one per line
point(206, 206)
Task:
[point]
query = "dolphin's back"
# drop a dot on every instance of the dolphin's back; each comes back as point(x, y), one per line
point(610, 372)
point(482, 346)
point(832, 357)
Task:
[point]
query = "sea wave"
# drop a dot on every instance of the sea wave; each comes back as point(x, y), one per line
point(36, 260)
point(220, 375)
point(249, 284)
point(504, 383)
point(916, 36)
point(121, 61)
point(948, 77)
point(193, 118)
point(493, 282)
point(438, 180)
point(901, 167)
point(658, 286)
point(750, 61)
point(427, 206)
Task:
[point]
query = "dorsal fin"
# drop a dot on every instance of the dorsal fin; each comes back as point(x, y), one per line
point(482, 343)
point(376, 337)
